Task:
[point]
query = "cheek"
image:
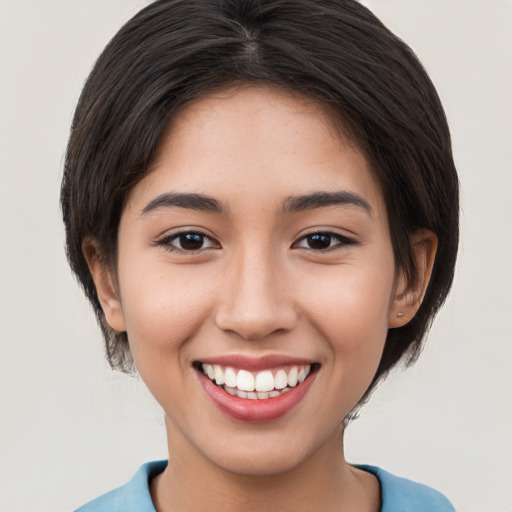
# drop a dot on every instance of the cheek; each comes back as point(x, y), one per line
point(162, 307)
point(351, 311)
point(163, 311)
point(357, 302)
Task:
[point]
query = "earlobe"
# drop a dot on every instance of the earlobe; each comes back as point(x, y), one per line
point(108, 294)
point(409, 292)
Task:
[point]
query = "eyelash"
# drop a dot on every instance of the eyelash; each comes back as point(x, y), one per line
point(343, 241)
point(167, 242)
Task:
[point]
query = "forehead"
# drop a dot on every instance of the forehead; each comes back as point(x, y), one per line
point(267, 113)
point(259, 142)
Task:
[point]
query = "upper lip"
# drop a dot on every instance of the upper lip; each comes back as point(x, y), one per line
point(251, 363)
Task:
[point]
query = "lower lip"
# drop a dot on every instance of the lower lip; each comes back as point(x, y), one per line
point(244, 409)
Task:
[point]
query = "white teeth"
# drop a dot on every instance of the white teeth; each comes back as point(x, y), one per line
point(219, 375)
point(245, 381)
point(260, 385)
point(230, 378)
point(264, 381)
point(208, 370)
point(293, 377)
point(254, 395)
point(280, 380)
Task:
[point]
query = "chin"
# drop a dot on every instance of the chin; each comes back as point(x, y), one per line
point(262, 463)
point(262, 455)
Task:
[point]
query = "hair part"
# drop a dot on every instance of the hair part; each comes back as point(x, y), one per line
point(335, 52)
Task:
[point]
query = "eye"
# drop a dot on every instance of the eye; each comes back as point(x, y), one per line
point(323, 241)
point(188, 241)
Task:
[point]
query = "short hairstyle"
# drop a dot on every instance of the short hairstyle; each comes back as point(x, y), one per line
point(335, 52)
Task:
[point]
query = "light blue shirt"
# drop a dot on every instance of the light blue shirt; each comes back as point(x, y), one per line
point(398, 494)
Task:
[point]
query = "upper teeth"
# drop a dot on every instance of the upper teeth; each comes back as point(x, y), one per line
point(266, 380)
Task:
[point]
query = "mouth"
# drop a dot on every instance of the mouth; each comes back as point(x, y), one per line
point(261, 385)
point(255, 394)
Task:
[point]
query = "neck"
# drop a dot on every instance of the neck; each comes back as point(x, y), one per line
point(323, 481)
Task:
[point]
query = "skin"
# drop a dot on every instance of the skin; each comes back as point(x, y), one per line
point(256, 287)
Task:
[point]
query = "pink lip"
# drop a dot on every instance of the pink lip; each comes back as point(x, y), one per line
point(256, 364)
point(242, 409)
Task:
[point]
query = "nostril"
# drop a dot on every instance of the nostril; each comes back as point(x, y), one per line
point(257, 327)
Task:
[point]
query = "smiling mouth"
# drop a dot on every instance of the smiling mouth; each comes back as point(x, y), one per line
point(261, 385)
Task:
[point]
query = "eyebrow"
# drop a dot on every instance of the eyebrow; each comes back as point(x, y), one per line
point(292, 204)
point(322, 199)
point(185, 200)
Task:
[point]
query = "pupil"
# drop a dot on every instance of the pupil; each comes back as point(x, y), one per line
point(319, 241)
point(191, 241)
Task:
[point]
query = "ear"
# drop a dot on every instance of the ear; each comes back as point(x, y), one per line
point(409, 293)
point(104, 282)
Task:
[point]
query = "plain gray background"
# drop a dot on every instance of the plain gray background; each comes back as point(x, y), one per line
point(72, 429)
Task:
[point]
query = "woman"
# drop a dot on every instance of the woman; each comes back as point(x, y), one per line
point(261, 204)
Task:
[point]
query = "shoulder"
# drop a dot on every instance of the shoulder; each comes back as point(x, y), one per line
point(403, 495)
point(131, 497)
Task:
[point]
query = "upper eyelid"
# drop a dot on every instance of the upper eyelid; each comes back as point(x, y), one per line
point(166, 239)
point(329, 232)
point(343, 242)
point(180, 232)
point(176, 232)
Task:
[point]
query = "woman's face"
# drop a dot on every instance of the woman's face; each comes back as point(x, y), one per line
point(256, 250)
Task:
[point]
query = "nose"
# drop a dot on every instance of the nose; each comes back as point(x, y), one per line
point(255, 301)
